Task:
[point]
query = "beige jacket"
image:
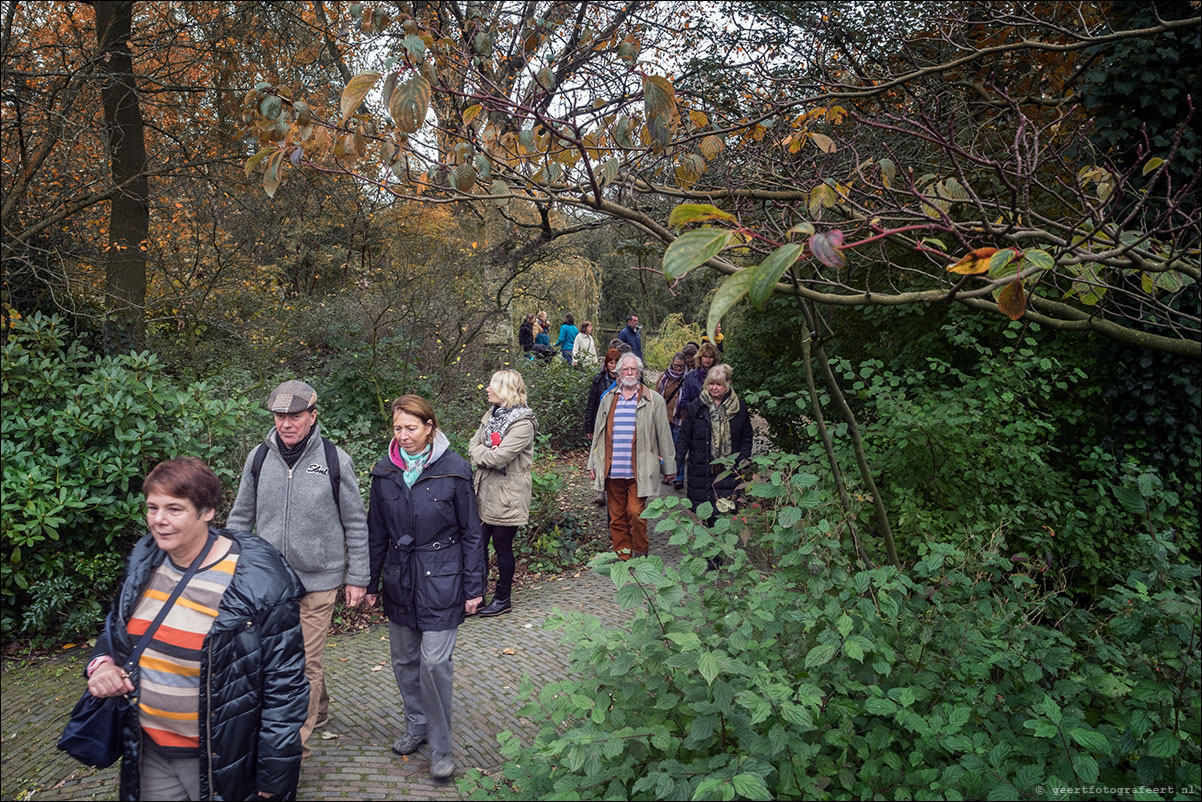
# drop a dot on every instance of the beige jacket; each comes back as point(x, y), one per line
point(652, 441)
point(502, 474)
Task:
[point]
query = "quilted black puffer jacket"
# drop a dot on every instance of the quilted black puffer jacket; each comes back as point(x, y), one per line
point(253, 692)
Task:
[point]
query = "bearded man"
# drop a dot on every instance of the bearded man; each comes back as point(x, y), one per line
point(632, 455)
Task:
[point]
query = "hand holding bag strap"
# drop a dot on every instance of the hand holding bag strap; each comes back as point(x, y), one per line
point(94, 734)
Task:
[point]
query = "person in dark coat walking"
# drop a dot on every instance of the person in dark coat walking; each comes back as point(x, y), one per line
point(205, 727)
point(632, 336)
point(715, 425)
point(694, 380)
point(427, 559)
point(605, 380)
point(526, 334)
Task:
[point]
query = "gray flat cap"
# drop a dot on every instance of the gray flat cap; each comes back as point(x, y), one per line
point(291, 396)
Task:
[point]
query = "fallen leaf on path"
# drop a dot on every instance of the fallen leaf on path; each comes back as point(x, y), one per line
point(377, 668)
point(327, 735)
point(509, 651)
point(343, 659)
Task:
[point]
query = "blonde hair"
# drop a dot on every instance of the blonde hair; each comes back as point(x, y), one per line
point(510, 387)
point(719, 373)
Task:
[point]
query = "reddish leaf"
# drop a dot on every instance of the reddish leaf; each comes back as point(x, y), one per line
point(826, 247)
point(976, 261)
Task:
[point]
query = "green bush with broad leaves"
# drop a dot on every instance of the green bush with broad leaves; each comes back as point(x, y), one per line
point(815, 676)
point(1009, 434)
point(78, 434)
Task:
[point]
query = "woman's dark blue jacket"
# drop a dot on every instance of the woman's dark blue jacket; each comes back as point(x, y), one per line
point(427, 553)
point(253, 692)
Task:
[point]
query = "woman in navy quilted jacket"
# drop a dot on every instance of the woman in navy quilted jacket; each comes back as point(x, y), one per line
point(427, 559)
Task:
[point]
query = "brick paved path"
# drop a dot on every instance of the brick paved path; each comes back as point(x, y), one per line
point(364, 708)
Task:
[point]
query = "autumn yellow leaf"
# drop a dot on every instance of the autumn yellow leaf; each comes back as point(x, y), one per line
point(976, 261)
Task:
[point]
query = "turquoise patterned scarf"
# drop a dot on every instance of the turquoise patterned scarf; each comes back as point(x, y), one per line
point(410, 464)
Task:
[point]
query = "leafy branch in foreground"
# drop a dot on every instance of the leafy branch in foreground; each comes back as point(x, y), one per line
point(896, 158)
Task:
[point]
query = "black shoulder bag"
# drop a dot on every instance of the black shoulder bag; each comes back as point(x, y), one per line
point(93, 735)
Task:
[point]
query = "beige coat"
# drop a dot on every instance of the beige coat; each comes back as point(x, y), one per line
point(652, 441)
point(502, 474)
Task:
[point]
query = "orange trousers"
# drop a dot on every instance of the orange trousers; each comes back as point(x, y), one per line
point(626, 525)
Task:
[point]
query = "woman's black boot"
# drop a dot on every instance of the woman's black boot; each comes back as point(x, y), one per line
point(498, 606)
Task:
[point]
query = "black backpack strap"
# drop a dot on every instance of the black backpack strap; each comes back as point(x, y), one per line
point(332, 464)
point(335, 471)
point(256, 466)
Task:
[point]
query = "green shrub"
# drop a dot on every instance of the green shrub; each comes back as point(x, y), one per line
point(78, 434)
point(557, 392)
point(1007, 434)
point(820, 678)
point(555, 534)
point(673, 334)
point(964, 452)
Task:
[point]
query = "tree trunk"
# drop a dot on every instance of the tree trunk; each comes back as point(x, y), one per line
point(129, 220)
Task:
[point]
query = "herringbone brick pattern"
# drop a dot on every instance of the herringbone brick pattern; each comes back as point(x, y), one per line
point(355, 760)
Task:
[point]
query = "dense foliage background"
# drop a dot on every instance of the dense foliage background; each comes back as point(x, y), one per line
point(955, 251)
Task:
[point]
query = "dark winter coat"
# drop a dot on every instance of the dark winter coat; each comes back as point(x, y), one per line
point(427, 552)
point(526, 336)
point(691, 387)
point(633, 338)
point(254, 695)
point(693, 446)
point(601, 383)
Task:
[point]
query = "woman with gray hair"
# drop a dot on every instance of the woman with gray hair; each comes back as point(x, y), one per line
point(715, 425)
point(501, 451)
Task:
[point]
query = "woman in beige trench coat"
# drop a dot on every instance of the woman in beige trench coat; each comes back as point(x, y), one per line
point(501, 452)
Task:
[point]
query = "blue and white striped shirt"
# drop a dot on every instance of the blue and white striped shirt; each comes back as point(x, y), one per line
point(621, 465)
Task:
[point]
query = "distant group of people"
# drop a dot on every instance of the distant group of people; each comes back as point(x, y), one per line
point(230, 688)
point(575, 345)
point(643, 438)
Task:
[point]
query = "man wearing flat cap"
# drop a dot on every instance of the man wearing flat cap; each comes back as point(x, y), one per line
point(299, 493)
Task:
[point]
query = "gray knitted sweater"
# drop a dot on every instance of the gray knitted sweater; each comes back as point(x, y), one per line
point(295, 512)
